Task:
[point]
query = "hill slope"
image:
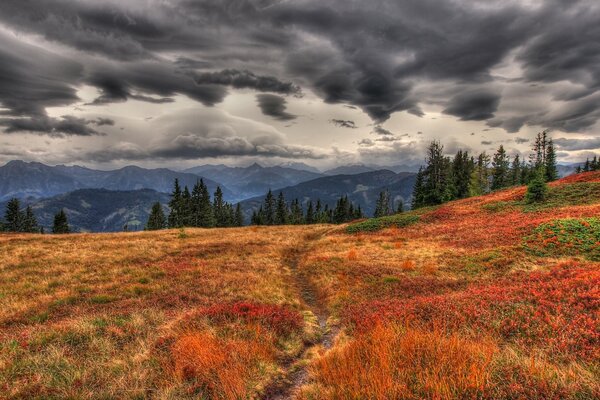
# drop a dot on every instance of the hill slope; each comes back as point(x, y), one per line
point(98, 210)
point(486, 297)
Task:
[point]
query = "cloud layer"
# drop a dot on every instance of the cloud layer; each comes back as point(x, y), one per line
point(509, 64)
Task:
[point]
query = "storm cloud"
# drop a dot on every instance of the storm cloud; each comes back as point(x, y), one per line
point(491, 62)
point(274, 106)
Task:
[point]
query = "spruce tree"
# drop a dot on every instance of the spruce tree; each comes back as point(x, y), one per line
point(418, 197)
point(30, 224)
point(550, 162)
point(270, 209)
point(281, 217)
point(239, 216)
point(206, 216)
point(187, 216)
point(400, 207)
point(61, 224)
point(176, 206)
point(13, 217)
point(310, 213)
point(219, 208)
point(157, 219)
point(382, 207)
point(537, 188)
point(515, 171)
point(500, 169)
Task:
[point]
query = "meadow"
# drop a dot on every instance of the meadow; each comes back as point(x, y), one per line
point(483, 298)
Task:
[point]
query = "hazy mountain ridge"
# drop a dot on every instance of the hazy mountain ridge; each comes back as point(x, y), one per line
point(97, 210)
point(362, 189)
point(255, 179)
point(22, 180)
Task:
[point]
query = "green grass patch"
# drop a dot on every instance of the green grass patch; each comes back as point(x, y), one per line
point(101, 299)
point(574, 194)
point(566, 237)
point(375, 224)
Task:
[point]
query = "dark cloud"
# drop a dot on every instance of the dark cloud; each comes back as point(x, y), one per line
point(381, 131)
point(375, 56)
point(66, 125)
point(343, 123)
point(274, 106)
point(246, 80)
point(577, 144)
point(474, 105)
point(520, 140)
point(486, 142)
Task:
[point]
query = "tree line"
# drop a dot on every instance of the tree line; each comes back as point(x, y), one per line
point(444, 178)
point(589, 165)
point(19, 220)
point(278, 212)
point(195, 209)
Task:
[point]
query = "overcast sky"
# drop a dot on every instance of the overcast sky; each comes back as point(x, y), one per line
point(185, 82)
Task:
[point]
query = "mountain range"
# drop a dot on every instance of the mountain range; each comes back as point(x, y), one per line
point(362, 189)
point(36, 180)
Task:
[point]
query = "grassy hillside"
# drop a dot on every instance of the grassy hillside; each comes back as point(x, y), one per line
point(487, 297)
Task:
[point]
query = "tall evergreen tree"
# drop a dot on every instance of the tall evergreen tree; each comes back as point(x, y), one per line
point(219, 208)
point(30, 224)
point(400, 207)
point(550, 162)
point(239, 216)
point(515, 171)
point(157, 219)
point(382, 207)
point(175, 204)
point(61, 224)
point(479, 183)
point(462, 166)
point(187, 208)
point(418, 197)
point(500, 169)
point(270, 209)
point(281, 216)
point(13, 217)
point(438, 185)
point(296, 213)
point(310, 213)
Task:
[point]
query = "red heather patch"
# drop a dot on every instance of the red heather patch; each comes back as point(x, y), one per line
point(558, 310)
point(280, 319)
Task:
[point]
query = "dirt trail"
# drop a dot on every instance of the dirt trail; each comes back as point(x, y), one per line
point(296, 373)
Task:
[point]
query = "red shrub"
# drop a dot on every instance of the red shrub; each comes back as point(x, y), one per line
point(557, 310)
point(280, 319)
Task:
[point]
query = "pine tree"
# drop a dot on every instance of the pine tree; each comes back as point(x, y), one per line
point(187, 216)
point(500, 168)
point(281, 216)
point(382, 207)
point(270, 209)
point(157, 219)
point(13, 217)
point(550, 162)
point(462, 166)
point(239, 216)
point(310, 213)
point(515, 171)
point(30, 224)
point(61, 224)
point(296, 213)
point(175, 204)
point(537, 188)
point(438, 181)
point(219, 208)
point(479, 183)
point(418, 197)
point(400, 207)
point(203, 208)
point(586, 166)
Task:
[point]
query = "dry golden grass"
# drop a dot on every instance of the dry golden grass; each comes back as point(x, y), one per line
point(100, 315)
point(450, 307)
